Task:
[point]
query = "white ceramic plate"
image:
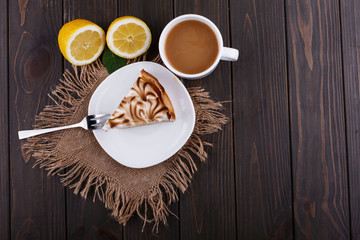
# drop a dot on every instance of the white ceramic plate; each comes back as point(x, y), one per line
point(143, 146)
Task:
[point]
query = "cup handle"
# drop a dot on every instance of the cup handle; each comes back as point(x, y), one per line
point(229, 54)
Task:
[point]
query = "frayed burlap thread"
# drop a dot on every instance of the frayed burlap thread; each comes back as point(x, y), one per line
point(76, 156)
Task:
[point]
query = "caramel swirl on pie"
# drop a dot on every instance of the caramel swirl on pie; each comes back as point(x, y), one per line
point(146, 103)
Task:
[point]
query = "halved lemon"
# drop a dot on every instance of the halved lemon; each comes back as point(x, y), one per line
point(128, 37)
point(81, 41)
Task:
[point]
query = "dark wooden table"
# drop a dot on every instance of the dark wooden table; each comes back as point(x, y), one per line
point(287, 164)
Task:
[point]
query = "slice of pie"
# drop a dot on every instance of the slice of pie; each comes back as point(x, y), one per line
point(146, 103)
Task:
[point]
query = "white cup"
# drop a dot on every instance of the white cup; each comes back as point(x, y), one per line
point(224, 53)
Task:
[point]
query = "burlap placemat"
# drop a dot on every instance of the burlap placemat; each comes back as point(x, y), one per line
point(83, 165)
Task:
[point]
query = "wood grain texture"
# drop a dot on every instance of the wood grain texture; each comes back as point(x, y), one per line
point(101, 13)
point(133, 229)
point(261, 121)
point(266, 164)
point(317, 120)
point(156, 14)
point(207, 209)
point(350, 25)
point(37, 202)
point(4, 136)
point(89, 220)
point(86, 219)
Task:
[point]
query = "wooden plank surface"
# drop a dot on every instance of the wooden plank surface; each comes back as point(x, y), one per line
point(156, 14)
point(37, 201)
point(350, 26)
point(86, 219)
point(320, 186)
point(207, 209)
point(4, 140)
point(89, 220)
point(278, 170)
point(261, 121)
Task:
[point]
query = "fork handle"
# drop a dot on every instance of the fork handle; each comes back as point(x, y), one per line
point(31, 133)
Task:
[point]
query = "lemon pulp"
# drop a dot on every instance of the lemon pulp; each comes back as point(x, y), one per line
point(128, 37)
point(81, 41)
point(85, 45)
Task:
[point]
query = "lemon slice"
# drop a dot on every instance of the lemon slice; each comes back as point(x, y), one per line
point(81, 41)
point(128, 37)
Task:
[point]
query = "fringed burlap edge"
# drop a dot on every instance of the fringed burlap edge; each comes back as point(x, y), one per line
point(67, 98)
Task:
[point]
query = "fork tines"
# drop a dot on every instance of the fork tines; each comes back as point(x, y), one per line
point(96, 121)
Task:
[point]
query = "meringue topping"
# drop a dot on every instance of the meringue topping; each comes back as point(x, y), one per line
point(146, 103)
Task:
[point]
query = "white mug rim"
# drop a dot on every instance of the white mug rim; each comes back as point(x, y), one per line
point(182, 18)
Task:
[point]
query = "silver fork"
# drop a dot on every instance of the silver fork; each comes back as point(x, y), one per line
point(90, 122)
